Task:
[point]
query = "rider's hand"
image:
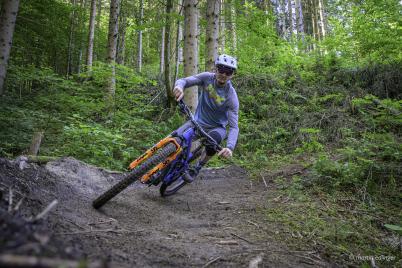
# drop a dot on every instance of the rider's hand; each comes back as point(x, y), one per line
point(225, 152)
point(178, 93)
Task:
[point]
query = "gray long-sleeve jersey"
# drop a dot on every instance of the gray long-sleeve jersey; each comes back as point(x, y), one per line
point(217, 106)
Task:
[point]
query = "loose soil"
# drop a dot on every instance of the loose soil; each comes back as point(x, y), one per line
point(217, 221)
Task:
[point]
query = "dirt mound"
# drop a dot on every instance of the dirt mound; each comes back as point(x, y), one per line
point(217, 221)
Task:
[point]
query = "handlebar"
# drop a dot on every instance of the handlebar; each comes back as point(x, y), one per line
point(184, 108)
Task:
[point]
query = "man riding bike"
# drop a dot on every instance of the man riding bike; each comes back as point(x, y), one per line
point(218, 107)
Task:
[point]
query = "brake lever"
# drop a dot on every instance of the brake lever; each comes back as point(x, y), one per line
point(218, 148)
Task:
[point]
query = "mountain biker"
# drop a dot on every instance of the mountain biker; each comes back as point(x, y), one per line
point(218, 107)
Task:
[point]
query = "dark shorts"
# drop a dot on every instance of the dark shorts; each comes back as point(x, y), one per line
point(217, 133)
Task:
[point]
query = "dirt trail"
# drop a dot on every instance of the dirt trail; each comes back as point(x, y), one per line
point(218, 221)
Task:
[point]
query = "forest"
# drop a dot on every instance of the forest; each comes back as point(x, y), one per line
point(319, 84)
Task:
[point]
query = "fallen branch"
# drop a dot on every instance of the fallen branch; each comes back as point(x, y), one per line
point(238, 236)
point(40, 159)
point(17, 206)
point(263, 179)
point(310, 259)
point(8, 186)
point(211, 262)
point(253, 223)
point(228, 242)
point(10, 200)
point(155, 97)
point(46, 210)
point(15, 261)
point(103, 222)
point(100, 231)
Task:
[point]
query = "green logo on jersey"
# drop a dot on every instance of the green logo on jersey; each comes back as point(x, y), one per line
point(214, 95)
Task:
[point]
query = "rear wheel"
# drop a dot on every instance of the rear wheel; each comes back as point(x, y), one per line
point(171, 188)
point(135, 174)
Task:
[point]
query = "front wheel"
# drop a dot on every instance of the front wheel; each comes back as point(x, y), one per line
point(135, 174)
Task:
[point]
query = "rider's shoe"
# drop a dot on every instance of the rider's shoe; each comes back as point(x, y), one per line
point(187, 177)
point(192, 173)
point(195, 170)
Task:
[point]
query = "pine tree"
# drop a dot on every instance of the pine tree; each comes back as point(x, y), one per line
point(191, 49)
point(212, 33)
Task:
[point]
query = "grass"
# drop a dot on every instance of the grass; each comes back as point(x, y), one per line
point(339, 225)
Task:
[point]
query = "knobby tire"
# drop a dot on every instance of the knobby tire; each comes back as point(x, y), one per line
point(134, 175)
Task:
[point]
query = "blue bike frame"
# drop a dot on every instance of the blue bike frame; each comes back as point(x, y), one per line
point(181, 164)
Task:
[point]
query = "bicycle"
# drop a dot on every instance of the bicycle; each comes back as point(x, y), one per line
point(167, 162)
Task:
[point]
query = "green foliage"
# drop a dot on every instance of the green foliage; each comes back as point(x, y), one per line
point(364, 31)
point(382, 115)
point(310, 143)
point(369, 162)
point(75, 119)
point(41, 34)
point(94, 143)
point(338, 223)
point(334, 109)
point(377, 27)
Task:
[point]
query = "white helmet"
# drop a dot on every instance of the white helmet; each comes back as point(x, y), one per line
point(226, 60)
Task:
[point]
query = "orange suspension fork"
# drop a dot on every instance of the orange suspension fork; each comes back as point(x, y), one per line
point(151, 152)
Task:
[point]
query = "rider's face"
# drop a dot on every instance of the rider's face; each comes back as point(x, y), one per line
point(223, 74)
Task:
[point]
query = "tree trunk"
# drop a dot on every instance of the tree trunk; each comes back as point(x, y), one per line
point(266, 6)
point(233, 22)
point(168, 83)
point(307, 17)
point(70, 40)
point(212, 34)
point(179, 37)
point(191, 50)
point(290, 18)
point(222, 27)
point(122, 43)
point(315, 20)
point(312, 19)
point(276, 10)
point(121, 40)
point(8, 16)
point(282, 17)
point(297, 4)
point(301, 29)
point(112, 46)
point(139, 54)
point(162, 52)
point(81, 21)
point(97, 28)
point(79, 61)
point(35, 144)
point(322, 17)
